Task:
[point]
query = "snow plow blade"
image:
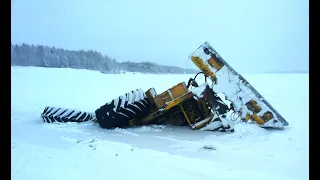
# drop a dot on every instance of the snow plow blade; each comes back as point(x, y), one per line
point(246, 100)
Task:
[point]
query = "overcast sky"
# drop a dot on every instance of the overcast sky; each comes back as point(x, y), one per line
point(252, 35)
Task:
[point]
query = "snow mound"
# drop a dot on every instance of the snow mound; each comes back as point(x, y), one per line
point(248, 129)
point(149, 128)
point(198, 91)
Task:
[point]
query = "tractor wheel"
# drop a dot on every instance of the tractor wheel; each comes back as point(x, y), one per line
point(54, 114)
point(119, 112)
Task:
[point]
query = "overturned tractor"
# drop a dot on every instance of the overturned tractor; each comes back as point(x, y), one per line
point(223, 99)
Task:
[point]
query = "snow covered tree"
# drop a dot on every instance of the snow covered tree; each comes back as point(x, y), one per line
point(45, 56)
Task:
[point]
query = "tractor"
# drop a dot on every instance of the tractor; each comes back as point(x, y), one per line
point(223, 99)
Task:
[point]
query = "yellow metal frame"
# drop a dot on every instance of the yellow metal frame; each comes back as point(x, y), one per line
point(204, 68)
point(185, 115)
point(178, 100)
point(215, 64)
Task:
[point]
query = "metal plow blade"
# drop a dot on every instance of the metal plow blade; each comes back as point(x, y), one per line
point(247, 101)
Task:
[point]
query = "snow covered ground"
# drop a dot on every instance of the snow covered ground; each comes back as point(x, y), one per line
point(86, 152)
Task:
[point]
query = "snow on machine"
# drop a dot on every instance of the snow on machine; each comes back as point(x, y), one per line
point(225, 98)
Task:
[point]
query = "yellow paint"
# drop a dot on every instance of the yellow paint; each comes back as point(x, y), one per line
point(248, 116)
point(201, 125)
point(178, 100)
point(204, 68)
point(185, 115)
point(257, 119)
point(267, 116)
point(215, 64)
point(253, 106)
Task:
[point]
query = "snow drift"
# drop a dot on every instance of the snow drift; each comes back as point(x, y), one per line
point(85, 151)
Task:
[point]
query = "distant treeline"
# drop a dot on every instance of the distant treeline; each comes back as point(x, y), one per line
point(45, 56)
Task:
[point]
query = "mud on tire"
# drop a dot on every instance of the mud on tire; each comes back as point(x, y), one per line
point(54, 114)
point(121, 110)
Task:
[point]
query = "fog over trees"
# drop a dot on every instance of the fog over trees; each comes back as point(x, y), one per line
point(45, 56)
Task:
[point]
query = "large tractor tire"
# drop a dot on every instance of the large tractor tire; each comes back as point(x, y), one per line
point(54, 114)
point(119, 112)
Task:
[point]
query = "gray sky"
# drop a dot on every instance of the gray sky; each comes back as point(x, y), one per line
point(252, 35)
